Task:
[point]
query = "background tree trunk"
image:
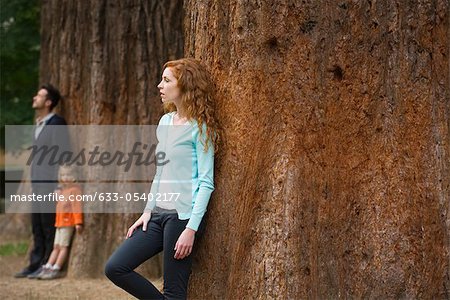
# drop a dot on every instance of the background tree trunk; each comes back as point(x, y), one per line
point(334, 180)
point(106, 57)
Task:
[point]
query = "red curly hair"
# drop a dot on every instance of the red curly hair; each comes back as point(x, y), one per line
point(197, 97)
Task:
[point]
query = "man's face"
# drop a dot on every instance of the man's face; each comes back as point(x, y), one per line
point(40, 101)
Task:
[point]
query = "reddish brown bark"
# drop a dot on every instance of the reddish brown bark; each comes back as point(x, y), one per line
point(334, 180)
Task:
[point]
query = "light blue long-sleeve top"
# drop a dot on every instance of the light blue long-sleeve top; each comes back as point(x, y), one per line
point(187, 179)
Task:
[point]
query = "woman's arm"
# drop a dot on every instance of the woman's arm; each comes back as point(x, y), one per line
point(205, 164)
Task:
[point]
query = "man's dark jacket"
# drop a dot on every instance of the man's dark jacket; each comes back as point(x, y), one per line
point(44, 166)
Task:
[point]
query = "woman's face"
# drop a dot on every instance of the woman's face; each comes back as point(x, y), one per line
point(168, 87)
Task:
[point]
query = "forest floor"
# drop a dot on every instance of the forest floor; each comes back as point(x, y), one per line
point(62, 288)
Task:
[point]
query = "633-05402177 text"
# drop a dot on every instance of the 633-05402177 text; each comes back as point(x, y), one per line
point(97, 196)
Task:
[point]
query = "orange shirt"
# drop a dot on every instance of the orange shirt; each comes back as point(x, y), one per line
point(69, 211)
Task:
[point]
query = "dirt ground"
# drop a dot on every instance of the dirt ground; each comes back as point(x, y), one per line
point(63, 288)
point(15, 229)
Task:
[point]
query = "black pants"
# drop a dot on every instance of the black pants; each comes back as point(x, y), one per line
point(163, 231)
point(43, 227)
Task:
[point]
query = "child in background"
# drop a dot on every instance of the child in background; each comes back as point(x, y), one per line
point(69, 217)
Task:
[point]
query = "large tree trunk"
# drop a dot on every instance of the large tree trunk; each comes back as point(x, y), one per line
point(106, 57)
point(334, 179)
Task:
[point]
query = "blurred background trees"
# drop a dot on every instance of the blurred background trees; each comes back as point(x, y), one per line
point(19, 61)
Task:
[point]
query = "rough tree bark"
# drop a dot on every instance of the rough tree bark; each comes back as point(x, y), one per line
point(334, 180)
point(106, 58)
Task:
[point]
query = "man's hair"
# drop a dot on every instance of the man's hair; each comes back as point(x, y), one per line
point(52, 94)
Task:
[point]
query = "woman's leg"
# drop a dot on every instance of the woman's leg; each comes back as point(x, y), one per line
point(176, 271)
point(135, 250)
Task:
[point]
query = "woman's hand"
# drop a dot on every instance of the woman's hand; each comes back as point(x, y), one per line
point(183, 247)
point(143, 220)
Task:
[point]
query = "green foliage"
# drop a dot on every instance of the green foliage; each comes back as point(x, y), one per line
point(19, 61)
point(13, 249)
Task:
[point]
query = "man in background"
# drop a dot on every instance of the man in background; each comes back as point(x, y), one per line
point(44, 176)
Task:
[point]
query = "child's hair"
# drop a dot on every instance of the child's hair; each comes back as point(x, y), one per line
point(69, 169)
